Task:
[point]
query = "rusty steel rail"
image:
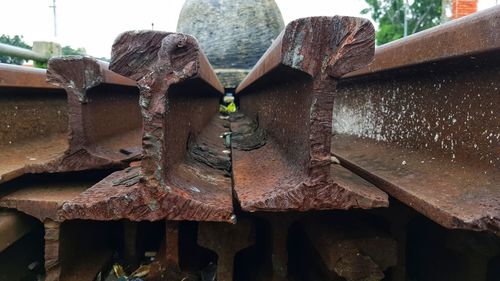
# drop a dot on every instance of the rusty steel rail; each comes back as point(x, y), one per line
point(42, 197)
point(283, 135)
point(33, 120)
point(13, 226)
point(422, 122)
point(350, 249)
point(96, 125)
point(184, 173)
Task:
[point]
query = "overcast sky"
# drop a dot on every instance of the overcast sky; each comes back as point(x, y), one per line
point(94, 24)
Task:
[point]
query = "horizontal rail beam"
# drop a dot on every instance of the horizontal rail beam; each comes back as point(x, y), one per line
point(17, 76)
point(424, 126)
point(467, 36)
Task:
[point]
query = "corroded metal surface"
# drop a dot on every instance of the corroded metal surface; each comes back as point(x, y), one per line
point(104, 117)
point(351, 249)
point(97, 125)
point(284, 136)
point(184, 173)
point(23, 77)
point(42, 196)
point(226, 240)
point(464, 37)
point(13, 226)
point(33, 120)
point(428, 134)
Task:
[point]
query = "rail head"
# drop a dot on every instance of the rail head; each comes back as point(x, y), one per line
point(77, 74)
point(337, 46)
point(464, 37)
point(175, 57)
point(17, 76)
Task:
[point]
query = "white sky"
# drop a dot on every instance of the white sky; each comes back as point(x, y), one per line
point(94, 24)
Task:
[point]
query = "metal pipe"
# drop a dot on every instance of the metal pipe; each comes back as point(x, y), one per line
point(21, 53)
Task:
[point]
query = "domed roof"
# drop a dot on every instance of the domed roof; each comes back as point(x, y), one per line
point(233, 33)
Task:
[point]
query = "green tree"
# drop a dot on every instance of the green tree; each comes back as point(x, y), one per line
point(68, 51)
point(17, 41)
point(390, 14)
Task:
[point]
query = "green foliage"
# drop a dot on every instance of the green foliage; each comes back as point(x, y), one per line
point(17, 41)
point(68, 51)
point(389, 14)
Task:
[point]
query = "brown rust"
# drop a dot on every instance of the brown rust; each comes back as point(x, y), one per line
point(98, 125)
point(77, 250)
point(464, 37)
point(23, 77)
point(351, 249)
point(289, 101)
point(13, 226)
point(52, 257)
point(427, 132)
point(33, 120)
point(104, 117)
point(226, 240)
point(42, 196)
point(184, 173)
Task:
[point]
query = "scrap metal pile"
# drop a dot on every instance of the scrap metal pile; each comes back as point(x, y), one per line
point(325, 122)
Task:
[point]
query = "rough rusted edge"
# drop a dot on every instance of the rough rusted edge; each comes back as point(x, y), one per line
point(137, 54)
point(77, 74)
point(305, 46)
point(324, 48)
point(23, 77)
point(122, 196)
point(167, 59)
point(156, 60)
point(434, 213)
point(439, 43)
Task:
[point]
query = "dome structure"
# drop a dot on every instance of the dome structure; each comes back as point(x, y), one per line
point(234, 34)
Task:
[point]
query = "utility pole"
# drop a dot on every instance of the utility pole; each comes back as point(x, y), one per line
point(53, 7)
point(406, 19)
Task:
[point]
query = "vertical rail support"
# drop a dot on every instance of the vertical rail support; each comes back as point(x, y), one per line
point(52, 255)
point(351, 249)
point(130, 247)
point(226, 241)
point(172, 245)
point(280, 224)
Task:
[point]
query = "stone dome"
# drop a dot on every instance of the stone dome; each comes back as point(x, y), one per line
point(234, 34)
